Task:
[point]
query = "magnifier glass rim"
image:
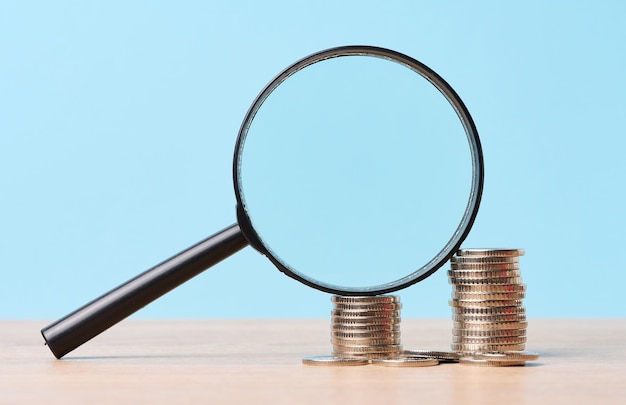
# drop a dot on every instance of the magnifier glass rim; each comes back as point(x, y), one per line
point(471, 209)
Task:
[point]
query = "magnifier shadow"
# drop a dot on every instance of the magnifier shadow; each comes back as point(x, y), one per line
point(183, 359)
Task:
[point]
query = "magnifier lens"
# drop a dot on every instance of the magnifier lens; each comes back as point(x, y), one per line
point(355, 172)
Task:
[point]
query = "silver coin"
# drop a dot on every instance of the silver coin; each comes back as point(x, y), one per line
point(390, 355)
point(478, 313)
point(465, 296)
point(488, 319)
point(485, 266)
point(488, 296)
point(350, 342)
point(364, 311)
point(489, 340)
point(366, 316)
point(479, 347)
point(368, 349)
point(519, 323)
point(345, 313)
point(338, 324)
point(351, 314)
point(493, 340)
point(486, 259)
point(490, 311)
point(484, 304)
point(355, 327)
point(370, 355)
point(471, 318)
point(487, 363)
point(496, 288)
point(334, 361)
point(405, 362)
point(490, 325)
point(490, 252)
point(442, 356)
point(506, 356)
point(488, 332)
point(366, 327)
point(366, 324)
point(365, 335)
point(376, 299)
point(485, 281)
point(482, 274)
point(367, 307)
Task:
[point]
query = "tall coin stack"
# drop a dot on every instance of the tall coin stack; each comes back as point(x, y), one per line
point(366, 327)
point(488, 315)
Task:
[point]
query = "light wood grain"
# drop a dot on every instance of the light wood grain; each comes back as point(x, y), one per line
point(259, 361)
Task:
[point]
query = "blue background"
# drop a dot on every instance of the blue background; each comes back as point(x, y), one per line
point(118, 122)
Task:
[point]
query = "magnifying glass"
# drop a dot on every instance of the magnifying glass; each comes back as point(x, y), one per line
point(357, 171)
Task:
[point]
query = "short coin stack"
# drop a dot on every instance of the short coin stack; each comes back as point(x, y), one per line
point(489, 318)
point(366, 326)
point(366, 330)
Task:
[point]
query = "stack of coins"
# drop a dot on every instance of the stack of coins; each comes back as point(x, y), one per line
point(366, 327)
point(489, 318)
point(366, 330)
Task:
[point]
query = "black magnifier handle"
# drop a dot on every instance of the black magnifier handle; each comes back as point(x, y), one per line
point(73, 330)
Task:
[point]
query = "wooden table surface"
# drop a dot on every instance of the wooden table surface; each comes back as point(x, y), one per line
point(259, 361)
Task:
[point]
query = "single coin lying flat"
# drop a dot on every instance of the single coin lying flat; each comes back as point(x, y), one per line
point(334, 361)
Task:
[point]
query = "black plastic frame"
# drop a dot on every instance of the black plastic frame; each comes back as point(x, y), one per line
point(477, 170)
